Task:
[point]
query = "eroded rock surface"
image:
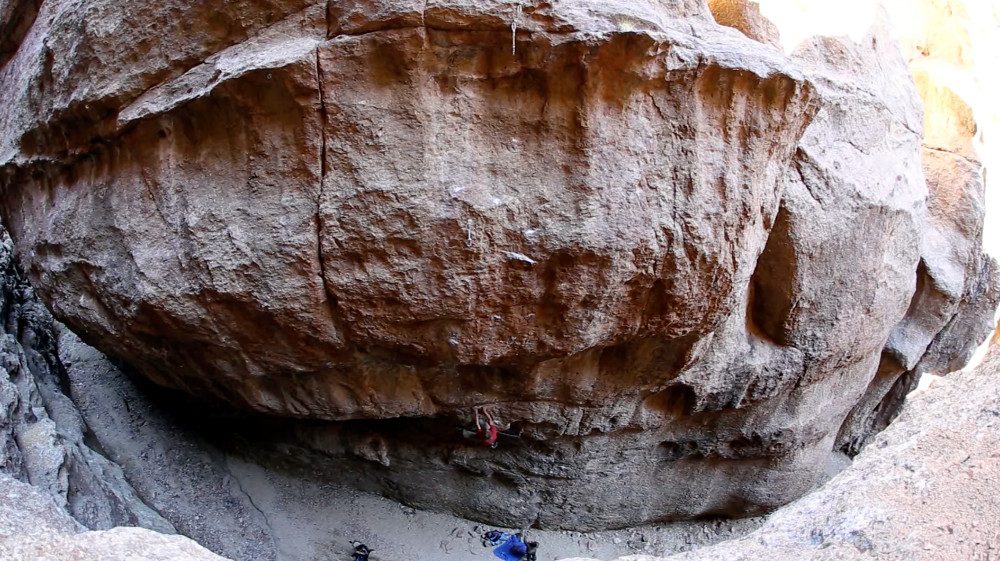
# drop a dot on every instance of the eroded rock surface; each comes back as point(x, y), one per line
point(408, 211)
point(43, 438)
point(669, 255)
point(745, 16)
point(958, 288)
point(923, 489)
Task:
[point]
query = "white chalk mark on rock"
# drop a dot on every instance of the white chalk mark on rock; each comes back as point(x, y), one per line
point(520, 257)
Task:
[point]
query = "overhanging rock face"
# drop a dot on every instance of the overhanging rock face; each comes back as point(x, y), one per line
point(670, 255)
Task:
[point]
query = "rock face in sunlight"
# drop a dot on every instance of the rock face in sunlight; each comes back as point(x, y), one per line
point(957, 287)
point(670, 256)
point(745, 16)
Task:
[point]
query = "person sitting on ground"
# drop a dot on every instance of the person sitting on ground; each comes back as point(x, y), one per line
point(532, 552)
point(519, 549)
point(361, 551)
point(488, 436)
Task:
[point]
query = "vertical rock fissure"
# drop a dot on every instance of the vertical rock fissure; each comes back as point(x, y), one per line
point(330, 297)
point(322, 121)
point(328, 34)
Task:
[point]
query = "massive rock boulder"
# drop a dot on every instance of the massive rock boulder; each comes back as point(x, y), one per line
point(354, 220)
point(670, 256)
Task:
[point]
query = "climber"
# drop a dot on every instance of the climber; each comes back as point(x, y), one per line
point(488, 436)
point(361, 551)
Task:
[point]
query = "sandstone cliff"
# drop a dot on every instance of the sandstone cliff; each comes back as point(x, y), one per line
point(674, 258)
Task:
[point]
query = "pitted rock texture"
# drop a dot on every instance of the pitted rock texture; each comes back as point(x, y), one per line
point(670, 255)
point(386, 208)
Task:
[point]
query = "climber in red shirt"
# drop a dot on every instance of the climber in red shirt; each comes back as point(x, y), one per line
point(488, 436)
